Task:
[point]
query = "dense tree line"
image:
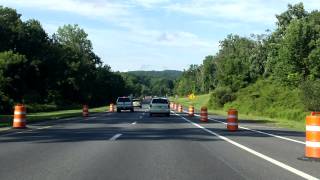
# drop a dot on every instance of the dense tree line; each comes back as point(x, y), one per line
point(151, 83)
point(60, 70)
point(289, 56)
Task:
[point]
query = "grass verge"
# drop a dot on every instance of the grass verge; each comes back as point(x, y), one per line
point(6, 120)
point(203, 100)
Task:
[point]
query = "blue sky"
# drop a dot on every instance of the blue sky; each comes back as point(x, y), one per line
point(156, 34)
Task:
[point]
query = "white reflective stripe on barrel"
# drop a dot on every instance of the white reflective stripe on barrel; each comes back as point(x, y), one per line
point(19, 120)
point(19, 113)
point(232, 116)
point(232, 124)
point(312, 144)
point(313, 128)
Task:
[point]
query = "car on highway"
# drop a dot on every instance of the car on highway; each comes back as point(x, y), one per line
point(159, 106)
point(124, 103)
point(137, 103)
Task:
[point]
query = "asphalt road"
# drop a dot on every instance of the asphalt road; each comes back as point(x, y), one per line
point(135, 146)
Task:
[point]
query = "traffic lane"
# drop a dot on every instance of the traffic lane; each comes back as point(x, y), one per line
point(190, 153)
point(284, 151)
point(43, 124)
point(82, 129)
point(91, 159)
point(62, 149)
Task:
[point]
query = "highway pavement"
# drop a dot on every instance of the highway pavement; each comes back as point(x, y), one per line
point(128, 145)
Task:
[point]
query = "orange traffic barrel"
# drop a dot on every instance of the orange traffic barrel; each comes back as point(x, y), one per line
point(180, 108)
point(312, 149)
point(85, 111)
point(177, 107)
point(204, 114)
point(191, 111)
point(171, 105)
point(19, 117)
point(111, 108)
point(232, 121)
point(314, 113)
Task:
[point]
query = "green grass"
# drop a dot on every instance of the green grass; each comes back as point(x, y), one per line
point(262, 101)
point(6, 120)
point(199, 101)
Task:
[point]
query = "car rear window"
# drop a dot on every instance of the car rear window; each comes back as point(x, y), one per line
point(123, 100)
point(160, 101)
point(136, 100)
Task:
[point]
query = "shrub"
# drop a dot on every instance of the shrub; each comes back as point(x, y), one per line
point(221, 96)
point(310, 90)
point(6, 104)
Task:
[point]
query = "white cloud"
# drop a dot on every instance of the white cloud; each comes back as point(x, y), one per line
point(97, 8)
point(131, 49)
point(236, 10)
point(150, 3)
point(136, 36)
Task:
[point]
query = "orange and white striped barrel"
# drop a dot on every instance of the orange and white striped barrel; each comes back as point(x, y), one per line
point(204, 114)
point(85, 111)
point(312, 149)
point(177, 107)
point(314, 113)
point(180, 108)
point(232, 121)
point(191, 111)
point(174, 106)
point(111, 108)
point(171, 105)
point(19, 117)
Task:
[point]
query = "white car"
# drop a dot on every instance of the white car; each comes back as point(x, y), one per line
point(124, 103)
point(159, 106)
point(137, 103)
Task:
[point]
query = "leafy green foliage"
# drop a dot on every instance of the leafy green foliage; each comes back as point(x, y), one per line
point(220, 96)
point(275, 74)
point(168, 74)
point(51, 72)
point(233, 62)
point(158, 83)
point(269, 99)
point(310, 94)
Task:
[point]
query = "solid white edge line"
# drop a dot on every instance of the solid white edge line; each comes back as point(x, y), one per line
point(262, 156)
point(44, 127)
point(115, 137)
point(261, 132)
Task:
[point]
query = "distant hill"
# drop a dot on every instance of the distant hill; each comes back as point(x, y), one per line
point(168, 74)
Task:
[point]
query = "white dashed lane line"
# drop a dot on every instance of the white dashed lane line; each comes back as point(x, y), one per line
point(115, 137)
